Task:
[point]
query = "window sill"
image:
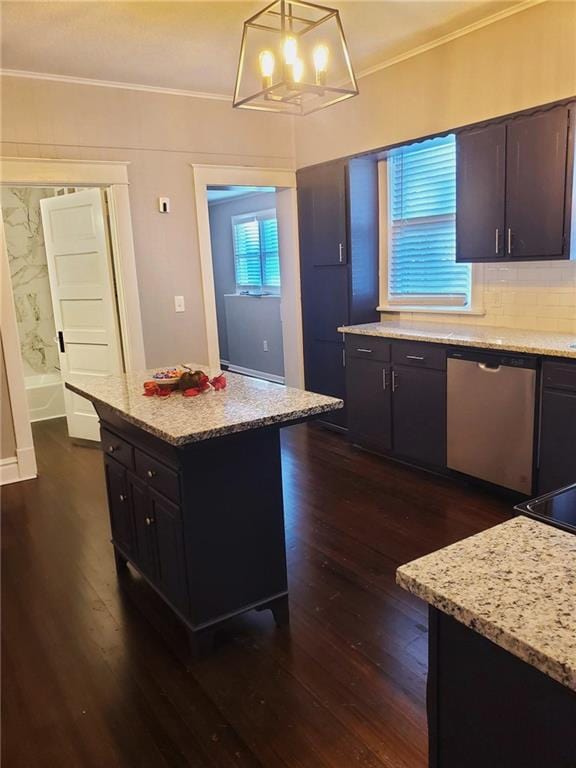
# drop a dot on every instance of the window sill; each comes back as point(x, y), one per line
point(474, 312)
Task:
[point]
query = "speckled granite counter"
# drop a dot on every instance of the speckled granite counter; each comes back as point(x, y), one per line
point(245, 404)
point(515, 584)
point(484, 337)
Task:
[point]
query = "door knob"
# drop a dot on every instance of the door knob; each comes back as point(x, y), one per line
point(149, 520)
point(151, 473)
point(122, 497)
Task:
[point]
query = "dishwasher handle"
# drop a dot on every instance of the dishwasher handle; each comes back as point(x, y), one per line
point(489, 368)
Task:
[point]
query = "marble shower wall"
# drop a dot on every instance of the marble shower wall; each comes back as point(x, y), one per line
point(29, 271)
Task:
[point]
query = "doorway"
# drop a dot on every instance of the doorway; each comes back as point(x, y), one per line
point(18, 459)
point(60, 262)
point(247, 279)
point(283, 182)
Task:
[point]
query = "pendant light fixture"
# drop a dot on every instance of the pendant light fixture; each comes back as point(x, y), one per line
point(293, 59)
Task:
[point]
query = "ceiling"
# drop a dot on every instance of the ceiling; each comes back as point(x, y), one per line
point(194, 45)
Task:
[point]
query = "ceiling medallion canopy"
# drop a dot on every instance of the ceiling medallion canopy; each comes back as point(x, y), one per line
point(293, 59)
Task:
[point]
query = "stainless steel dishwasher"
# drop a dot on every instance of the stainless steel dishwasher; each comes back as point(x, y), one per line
point(491, 413)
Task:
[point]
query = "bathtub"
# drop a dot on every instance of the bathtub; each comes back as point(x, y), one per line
point(45, 395)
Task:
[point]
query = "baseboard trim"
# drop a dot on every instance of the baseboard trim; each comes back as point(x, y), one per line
point(9, 472)
point(256, 374)
point(20, 467)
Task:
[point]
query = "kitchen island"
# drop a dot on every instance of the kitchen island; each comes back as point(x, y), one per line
point(502, 647)
point(195, 491)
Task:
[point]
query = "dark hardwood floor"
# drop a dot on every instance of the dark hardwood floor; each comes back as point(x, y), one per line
point(89, 683)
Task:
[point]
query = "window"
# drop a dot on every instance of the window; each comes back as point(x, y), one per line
point(422, 268)
point(256, 254)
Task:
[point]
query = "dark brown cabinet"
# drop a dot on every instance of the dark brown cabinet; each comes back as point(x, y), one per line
point(210, 549)
point(146, 526)
point(338, 223)
point(557, 456)
point(396, 394)
point(514, 189)
point(121, 511)
point(480, 194)
point(536, 185)
point(368, 392)
point(419, 414)
point(168, 540)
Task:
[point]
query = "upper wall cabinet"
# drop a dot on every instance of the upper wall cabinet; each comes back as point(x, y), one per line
point(322, 203)
point(514, 189)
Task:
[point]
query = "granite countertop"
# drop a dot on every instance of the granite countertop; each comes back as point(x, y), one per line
point(245, 404)
point(515, 584)
point(485, 337)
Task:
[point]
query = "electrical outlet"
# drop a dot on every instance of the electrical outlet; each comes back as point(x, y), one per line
point(265, 344)
point(179, 305)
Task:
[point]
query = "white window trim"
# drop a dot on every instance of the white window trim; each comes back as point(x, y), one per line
point(268, 213)
point(429, 305)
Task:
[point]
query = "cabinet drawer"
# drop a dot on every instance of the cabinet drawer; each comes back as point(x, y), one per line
point(158, 476)
point(117, 448)
point(368, 347)
point(419, 355)
point(559, 376)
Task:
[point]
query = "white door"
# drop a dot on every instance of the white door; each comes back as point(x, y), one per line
point(83, 296)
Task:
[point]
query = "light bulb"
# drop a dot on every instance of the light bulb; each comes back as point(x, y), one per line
point(267, 63)
point(290, 50)
point(297, 70)
point(320, 55)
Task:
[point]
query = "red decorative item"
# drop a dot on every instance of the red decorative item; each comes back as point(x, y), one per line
point(192, 392)
point(219, 382)
point(202, 381)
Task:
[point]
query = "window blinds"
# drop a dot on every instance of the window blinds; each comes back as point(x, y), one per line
point(422, 226)
point(256, 251)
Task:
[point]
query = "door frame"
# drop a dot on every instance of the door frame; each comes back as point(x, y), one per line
point(290, 303)
point(42, 172)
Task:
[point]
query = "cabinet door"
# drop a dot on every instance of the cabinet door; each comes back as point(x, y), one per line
point(480, 186)
point(557, 441)
point(168, 532)
point(325, 374)
point(322, 213)
point(537, 150)
point(368, 390)
point(325, 302)
point(145, 556)
point(121, 517)
point(419, 414)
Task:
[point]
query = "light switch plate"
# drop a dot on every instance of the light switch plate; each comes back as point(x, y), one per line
point(179, 304)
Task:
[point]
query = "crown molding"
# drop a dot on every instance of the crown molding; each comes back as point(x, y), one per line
point(417, 51)
point(443, 39)
point(113, 84)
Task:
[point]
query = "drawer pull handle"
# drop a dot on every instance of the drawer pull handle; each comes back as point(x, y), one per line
point(415, 357)
point(151, 473)
point(363, 349)
point(122, 497)
point(149, 520)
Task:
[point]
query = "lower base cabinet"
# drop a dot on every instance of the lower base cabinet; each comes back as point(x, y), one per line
point(396, 398)
point(324, 364)
point(419, 415)
point(557, 456)
point(368, 392)
point(192, 521)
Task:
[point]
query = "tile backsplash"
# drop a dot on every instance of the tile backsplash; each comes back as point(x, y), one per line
point(536, 296)
point(29, 273)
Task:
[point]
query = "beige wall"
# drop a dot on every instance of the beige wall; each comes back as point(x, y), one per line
point(7, 438)
point(526, 59)
point(160, 135)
